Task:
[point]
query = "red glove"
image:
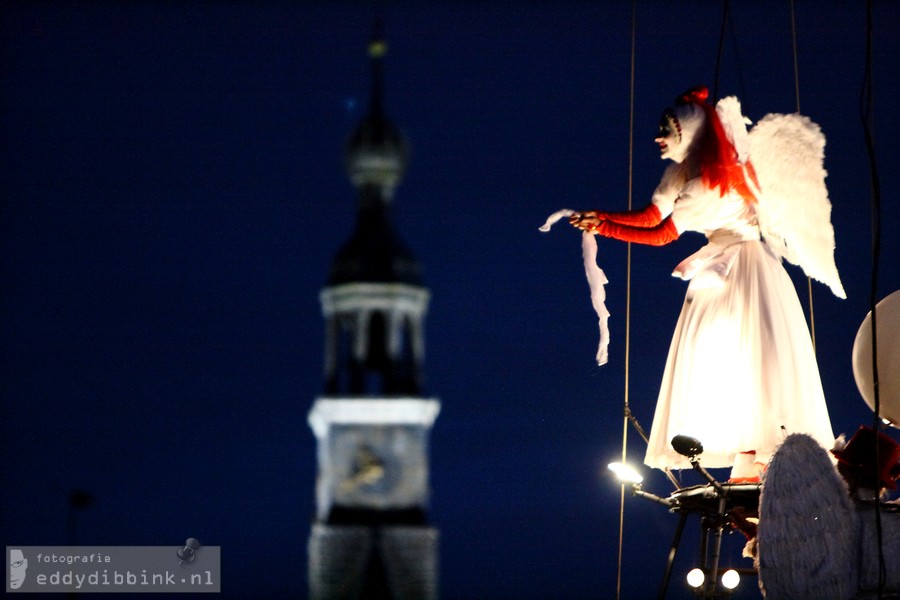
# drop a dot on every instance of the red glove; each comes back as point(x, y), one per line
point(649, 216)
point(660, 235)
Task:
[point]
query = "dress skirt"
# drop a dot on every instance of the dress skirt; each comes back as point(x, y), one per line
point(741, 373)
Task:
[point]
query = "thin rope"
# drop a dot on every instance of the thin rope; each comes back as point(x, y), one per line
point(742, 86)
point(867, 118)
point(809, 285)
point(721, 48)
point(627, 409)
point(868, 121)
point(796, 63)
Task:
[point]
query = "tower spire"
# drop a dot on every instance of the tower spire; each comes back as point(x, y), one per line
point(377, 51)
point(375, 303)
point(376, 154)
point(371, 537)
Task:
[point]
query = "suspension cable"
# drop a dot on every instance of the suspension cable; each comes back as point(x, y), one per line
point(867, 117)
point(809, 285)
point(796, 63)
point(725, 15)
point(627, 409)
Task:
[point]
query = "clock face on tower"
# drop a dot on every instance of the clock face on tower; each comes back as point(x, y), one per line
point(379, 466)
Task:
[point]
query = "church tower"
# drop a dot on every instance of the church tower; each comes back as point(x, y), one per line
point(371, 537)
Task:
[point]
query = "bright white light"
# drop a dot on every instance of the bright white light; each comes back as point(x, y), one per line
point(625, 473)
point(695, 577)
point(730, 579)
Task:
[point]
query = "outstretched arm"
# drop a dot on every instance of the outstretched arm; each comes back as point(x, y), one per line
point(649, 216)
point(658, 234)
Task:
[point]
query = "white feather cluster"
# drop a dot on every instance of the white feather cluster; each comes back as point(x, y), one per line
point(808, 538)
point(813, 542)
point(788, 153)
point(735, 125)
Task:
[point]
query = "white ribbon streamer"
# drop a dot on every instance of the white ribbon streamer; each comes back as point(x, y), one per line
point(596, 280)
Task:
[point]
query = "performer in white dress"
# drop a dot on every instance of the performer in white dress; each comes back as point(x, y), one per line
point(741, 371)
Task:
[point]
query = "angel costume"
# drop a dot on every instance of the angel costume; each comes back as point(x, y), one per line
point(741, 371)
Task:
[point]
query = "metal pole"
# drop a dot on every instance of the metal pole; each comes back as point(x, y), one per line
point(671, 560)
point(717, 547)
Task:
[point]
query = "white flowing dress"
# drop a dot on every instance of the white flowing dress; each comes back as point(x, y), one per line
point(741, 372)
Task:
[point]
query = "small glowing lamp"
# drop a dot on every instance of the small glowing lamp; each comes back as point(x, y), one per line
point(626, 473)
point(730, 579)
point(696, 577)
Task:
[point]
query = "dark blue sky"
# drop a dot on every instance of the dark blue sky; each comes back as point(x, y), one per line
point(173, 195)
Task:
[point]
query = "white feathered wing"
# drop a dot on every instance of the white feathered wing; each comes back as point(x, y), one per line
point(787, 153)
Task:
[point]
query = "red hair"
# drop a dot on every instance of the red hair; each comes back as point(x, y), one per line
point(719, 164)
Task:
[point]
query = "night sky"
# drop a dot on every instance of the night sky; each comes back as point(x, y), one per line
point(173, 195)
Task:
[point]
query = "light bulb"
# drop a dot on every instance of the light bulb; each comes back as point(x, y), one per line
point(625, 473)
point(730, 579)
point(696, 577)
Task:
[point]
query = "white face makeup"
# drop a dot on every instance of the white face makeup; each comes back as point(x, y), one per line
point(669, 135)
point(677, 129)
